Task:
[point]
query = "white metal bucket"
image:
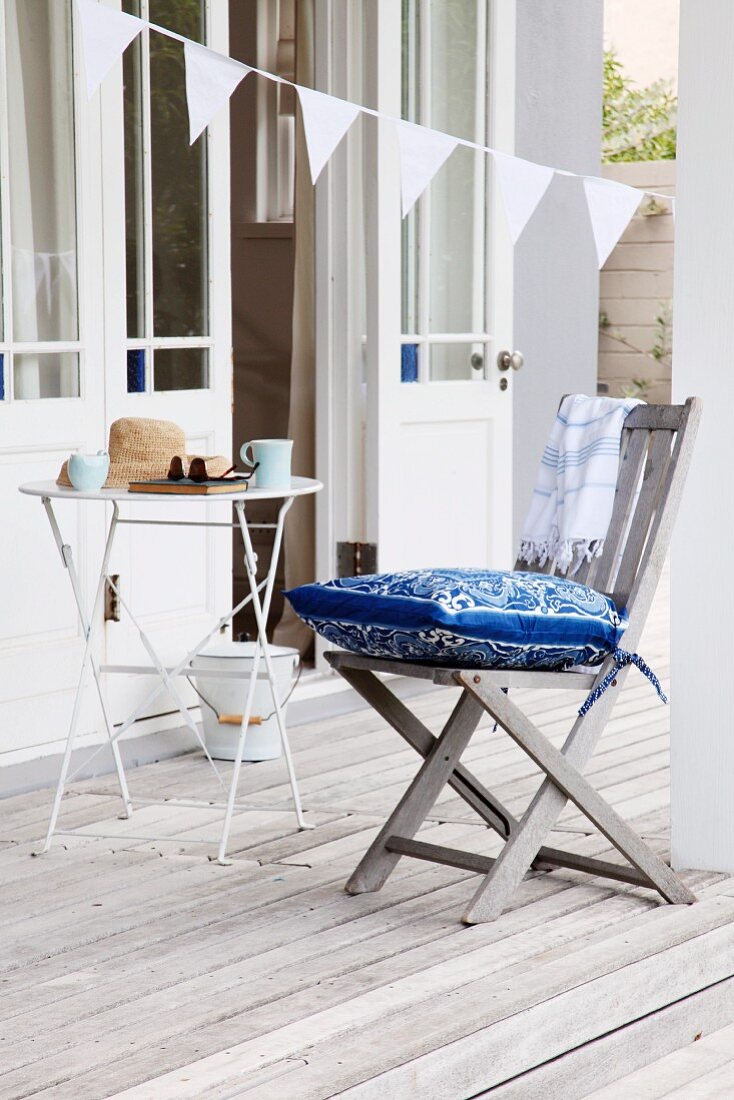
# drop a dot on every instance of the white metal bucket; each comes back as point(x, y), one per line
point(227, 697)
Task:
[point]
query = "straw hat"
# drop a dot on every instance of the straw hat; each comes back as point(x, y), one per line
point(141, 450)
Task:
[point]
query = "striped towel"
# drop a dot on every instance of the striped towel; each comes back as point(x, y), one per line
point(572, 502)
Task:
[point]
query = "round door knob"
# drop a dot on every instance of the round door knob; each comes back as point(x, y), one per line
point(507, 359)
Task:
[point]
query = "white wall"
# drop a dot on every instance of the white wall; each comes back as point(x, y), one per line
point(645, 37)
point(557, 122)
point(702, 601)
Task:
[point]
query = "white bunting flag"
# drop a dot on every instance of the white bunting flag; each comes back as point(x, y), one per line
point(210, 80)
point(611, 206)
point(106, 34)
point(422, 153)
point(523, 185)
point(325, 122)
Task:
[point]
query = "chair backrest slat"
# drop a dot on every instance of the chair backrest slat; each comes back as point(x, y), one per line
point(653, 480)
point(631, 465)
point(666, 509)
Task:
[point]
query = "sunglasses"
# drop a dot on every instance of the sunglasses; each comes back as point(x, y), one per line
point(197, 471)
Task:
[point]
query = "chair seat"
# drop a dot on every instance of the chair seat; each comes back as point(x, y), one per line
point(502, 677)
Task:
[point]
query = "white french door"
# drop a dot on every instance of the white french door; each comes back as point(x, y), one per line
point(431, 306)
point(51, 349)
point(168, 333)
point(114, 301)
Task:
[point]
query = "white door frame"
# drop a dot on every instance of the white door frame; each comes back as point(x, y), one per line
point(205, 414)
point(350, 450)
point(340, 415)
point(39, 663)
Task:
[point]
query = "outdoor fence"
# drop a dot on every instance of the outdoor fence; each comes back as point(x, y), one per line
point(636, 290)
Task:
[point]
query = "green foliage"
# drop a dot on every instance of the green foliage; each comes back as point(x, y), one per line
point(637, 387)
point(663, 347)
point(637, 123)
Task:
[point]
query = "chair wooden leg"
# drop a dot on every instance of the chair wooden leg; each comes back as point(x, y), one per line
point(412, 730)
point(412, 809)
point(564, 781)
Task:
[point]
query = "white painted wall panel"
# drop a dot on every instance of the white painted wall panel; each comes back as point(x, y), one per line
point(702, 757)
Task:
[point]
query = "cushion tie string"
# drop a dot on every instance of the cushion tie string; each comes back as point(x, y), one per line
point(621, 658)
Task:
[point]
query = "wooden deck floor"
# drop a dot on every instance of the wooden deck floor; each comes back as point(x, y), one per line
point(138, 968)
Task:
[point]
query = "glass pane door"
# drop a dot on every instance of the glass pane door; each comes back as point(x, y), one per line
point(444, 256)
point(168, 329)
point(39, 321)
point(51, 365)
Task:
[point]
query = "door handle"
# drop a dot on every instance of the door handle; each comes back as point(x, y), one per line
point(507, 359)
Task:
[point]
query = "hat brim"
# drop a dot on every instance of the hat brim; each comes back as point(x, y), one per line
point(123, 472)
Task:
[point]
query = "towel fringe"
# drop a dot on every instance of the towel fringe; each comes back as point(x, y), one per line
point(568, 554)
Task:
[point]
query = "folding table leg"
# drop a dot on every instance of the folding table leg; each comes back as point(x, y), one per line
point(114, 747)
point(91, 630)
point(236, 766)
point(411, 811)
point(261, 618)
point(261, 648)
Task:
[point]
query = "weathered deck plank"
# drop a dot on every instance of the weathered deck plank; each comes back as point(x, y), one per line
point(136, 967)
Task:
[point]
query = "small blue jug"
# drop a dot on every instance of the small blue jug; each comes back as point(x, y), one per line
point(88, 473)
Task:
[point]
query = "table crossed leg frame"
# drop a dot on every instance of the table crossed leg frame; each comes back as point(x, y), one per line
point(91, 627)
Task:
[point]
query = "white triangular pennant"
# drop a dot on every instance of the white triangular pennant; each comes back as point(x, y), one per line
point(325, 122)
point(106, 34)
point(523, 185)
point(611, 206)
point(422, 153)
point(210, 80)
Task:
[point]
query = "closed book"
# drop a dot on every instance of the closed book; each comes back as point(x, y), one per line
point(187, 487)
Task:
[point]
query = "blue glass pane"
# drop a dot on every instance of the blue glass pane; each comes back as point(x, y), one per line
point(136, 370)
point(409, 363)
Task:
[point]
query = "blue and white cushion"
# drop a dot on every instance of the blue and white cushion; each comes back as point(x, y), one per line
point(465, 618)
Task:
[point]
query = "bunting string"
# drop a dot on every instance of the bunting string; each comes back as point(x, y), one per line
point(211, 78)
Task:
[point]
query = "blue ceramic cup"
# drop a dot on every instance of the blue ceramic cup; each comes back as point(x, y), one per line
point(273, 457)
point(88, 473)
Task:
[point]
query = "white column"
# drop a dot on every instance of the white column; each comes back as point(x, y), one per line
point(703, 364)
point(558, 57)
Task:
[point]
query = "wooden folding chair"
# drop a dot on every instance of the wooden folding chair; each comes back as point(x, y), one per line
point(656, 446)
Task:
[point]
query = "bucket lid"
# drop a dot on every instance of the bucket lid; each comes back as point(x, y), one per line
point(240, 650)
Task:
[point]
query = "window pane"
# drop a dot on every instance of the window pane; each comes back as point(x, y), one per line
point(457, 247)
point(181, 369)
point(51, 374)
point(179, 199)
point(136, 370)
point(444, 247)
point(457, 193)
point(134, 185)
point(411, 109)
point(2, 269)
point(409, 362)
point(42, 184)
point(456, 362)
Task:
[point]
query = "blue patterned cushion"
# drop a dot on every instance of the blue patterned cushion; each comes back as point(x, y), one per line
point(470, 618)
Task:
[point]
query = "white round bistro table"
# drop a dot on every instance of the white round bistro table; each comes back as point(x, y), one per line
point(48, 491)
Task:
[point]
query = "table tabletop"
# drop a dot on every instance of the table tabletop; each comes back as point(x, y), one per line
point(299, 487)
